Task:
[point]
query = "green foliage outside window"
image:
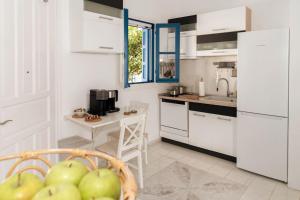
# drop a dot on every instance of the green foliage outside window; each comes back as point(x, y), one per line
point(135, 47)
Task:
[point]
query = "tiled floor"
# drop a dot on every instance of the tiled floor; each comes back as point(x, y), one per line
point(162, 155)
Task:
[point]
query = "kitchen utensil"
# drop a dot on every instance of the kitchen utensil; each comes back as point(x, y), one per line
point(174, 92)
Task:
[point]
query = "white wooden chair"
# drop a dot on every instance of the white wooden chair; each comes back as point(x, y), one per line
point(130, 145)
point(142, 108)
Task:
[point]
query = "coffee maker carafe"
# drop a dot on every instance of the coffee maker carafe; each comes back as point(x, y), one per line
point(98, 102)
point(112, 99)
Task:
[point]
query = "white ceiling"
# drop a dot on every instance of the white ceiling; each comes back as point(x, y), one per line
point(161, 10)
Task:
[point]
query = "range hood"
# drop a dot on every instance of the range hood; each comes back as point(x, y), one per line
point(221, 44)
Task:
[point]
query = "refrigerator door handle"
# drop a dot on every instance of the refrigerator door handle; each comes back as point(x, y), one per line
point(261, 115)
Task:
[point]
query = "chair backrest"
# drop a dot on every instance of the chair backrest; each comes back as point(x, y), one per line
point(140, 106)
point(132, 133)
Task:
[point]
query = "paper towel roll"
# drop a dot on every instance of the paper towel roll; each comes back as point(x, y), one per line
point(201, 88)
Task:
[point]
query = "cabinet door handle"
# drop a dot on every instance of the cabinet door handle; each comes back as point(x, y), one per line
point(5, 122)
point(218, 52)
point(224, 119)
point(220, 29)
point(106, 18)
point(199, 115)
point(102, 47)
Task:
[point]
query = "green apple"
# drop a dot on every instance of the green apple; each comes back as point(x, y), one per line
point(100, 183)
point(102, 198)
point(70, 171)
point(64, 191)
point(20, 187)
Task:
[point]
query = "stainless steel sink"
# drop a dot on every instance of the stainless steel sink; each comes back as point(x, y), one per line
point(220, 98)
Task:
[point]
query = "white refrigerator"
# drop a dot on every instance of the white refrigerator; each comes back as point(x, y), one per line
point(263, 85)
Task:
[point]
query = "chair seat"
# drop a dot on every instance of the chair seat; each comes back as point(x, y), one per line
point(112, 147)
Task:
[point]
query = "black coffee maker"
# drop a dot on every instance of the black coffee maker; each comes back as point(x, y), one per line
point(98, 102)
point(113, 96)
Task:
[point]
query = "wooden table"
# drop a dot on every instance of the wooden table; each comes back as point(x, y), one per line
point(110, 118)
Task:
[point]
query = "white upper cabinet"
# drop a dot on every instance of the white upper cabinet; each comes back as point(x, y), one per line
point(229, 20)
point(188, 44)
point(93, 32)
point(102, 33)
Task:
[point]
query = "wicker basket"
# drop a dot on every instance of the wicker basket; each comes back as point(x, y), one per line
point(129, 186)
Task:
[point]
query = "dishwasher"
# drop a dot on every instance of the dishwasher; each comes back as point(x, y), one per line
point(174, 120)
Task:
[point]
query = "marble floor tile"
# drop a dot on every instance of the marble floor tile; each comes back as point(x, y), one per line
point(282, 192)
point(175, 173)
point(186, 182)
point(261, 189)
point(241, 176)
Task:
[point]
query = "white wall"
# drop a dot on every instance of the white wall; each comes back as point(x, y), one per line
point(193, 70)
point(294, 135)
point(81, 72)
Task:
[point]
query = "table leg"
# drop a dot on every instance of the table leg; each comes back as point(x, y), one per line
point(93, 138)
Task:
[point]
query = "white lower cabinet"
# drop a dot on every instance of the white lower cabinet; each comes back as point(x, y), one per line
point(212, 132)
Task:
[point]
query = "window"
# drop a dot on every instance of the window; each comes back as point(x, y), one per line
point(140, 52)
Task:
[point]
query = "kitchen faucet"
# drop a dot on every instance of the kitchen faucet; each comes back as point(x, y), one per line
point(224, 79)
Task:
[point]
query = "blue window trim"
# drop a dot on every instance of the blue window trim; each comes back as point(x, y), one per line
point(126, 49)
point(177, 52)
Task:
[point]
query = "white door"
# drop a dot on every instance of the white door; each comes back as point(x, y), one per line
point(263, 67)
point(26, 76)
point(262, 144)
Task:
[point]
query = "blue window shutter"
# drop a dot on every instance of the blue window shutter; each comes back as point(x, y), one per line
point(176, 53)
point(126, 49)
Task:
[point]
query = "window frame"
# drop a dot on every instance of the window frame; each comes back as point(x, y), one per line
point(176, 53)
point(150, 51)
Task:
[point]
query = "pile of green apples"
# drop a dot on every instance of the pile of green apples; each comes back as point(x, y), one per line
point(68, 180)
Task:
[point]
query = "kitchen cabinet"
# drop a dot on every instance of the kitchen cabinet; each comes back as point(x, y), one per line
point(93, 32)
point(229, 20)
point(188, 44)
point(212, 127)
point(220, 44)
point(102, 33)
point(212, 132)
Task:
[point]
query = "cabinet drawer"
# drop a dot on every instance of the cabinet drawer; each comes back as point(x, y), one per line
point(212, 132)
point(174, 131)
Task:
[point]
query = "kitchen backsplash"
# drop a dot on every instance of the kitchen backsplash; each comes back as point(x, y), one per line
point(193, 70)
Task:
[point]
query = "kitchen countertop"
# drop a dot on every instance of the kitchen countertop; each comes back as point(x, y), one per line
point(211, 100)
